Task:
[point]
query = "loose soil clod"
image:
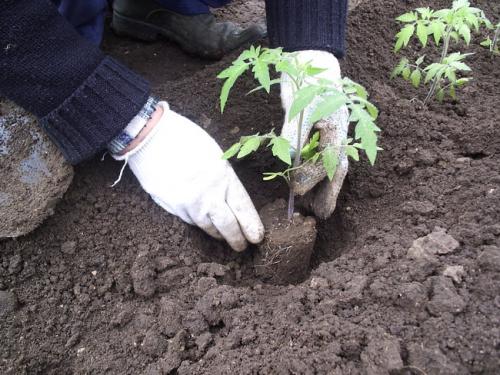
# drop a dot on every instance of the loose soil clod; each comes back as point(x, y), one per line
point(285, 254)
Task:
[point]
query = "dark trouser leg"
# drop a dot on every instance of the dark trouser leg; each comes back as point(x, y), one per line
point(192, 7)
point(186, 22)
point(87, 16)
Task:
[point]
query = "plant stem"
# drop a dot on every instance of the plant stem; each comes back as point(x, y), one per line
point(444, 53)
point(296, 164)
point(495, 39)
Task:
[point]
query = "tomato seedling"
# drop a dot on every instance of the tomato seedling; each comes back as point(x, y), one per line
point(442, 26)
point(492, 43)
point(309, 88)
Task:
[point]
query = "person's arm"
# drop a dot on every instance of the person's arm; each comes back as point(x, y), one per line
point(307, 25)
point(82, 97)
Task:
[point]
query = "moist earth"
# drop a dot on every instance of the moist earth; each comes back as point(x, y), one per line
point(285, 254)
point(404, 277)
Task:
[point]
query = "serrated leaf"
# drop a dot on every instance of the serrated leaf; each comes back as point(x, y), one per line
point(416, 77)
point(261, 72)
point(330, 161)
point(407, 17)
point(303, 98)
point(422, 33)
point(231, 151)
point(251, 145)
point(327, 107)
point(464, 31)
point(281, 149)
point(234, 74)
point(366, 132)
point(352, 152)
point(437, 29)
point(460, 66)
point(403, 37)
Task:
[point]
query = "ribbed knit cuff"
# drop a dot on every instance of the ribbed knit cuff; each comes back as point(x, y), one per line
point(97, 111)
point(307, 25)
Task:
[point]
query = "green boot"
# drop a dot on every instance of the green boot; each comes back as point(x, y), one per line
point(199, 34)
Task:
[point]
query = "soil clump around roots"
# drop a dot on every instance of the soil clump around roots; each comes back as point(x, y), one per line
point(285, 254)
point(404, 277)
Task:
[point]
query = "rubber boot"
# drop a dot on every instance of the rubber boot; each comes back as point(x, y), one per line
point(199, 34)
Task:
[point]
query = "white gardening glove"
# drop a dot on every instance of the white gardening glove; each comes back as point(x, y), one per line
point(323, 198)
point(181, 167)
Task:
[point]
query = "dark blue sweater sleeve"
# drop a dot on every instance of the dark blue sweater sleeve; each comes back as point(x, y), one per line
point(82, 97)
point(307, 24)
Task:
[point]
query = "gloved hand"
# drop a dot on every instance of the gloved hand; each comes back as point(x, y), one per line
point(322, 199)
point(181, 167)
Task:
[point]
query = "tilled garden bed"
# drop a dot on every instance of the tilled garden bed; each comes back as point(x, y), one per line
point(404, 278)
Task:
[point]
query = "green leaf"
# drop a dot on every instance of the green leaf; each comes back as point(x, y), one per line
point(366, 131)
point(281, 149)
point(303, 98)
point(328, 106)
point(309, 149)
point(460, 66)
point(407, 17)
point(273, 82)
point(313, 71)
point(416, 77)
point(399, 68)
point(462, 81)
point(486, 43)
point(464, 31)
point(231, 74)
point(437, 29)
point(420, 60)
point(285, 66)
point(450, 74)
point(252, 144)
point(261, 72)
point(372, 110)
point(360, 91)
point(352, 152)
point(431, 71)
point(231, 151)
point(422, 33)
point(268, 176)
point(406, 72)
point(403, 37)
point(330, 161)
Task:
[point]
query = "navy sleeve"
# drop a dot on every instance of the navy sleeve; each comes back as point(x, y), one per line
point(307, 24)
point(82, 97)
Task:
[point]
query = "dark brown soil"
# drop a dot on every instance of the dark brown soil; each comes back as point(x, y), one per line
point(285, 254)
point(112, 284)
